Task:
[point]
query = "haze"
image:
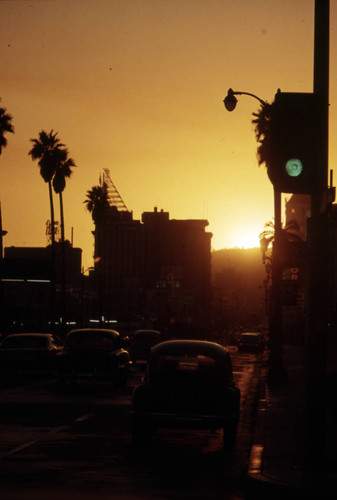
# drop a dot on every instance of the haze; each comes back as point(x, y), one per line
point(137, 87)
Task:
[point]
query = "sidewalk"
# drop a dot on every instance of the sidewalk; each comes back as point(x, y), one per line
point(276, 466)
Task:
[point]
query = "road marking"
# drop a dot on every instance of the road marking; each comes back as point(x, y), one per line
point(83, 418)
point(19, 448)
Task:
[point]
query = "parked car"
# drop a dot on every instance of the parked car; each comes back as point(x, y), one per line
point(251, 342)
point(141, 345)
point(33, 353)
point(188, 384)
point(95, 354)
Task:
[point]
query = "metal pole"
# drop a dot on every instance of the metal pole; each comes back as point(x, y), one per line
point(316, 449)
point(277, 373)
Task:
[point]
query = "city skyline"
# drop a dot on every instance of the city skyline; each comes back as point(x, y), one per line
point(137, 87)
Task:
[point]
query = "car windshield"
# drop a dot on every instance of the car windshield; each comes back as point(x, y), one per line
point(91, 340)
point(26, 342)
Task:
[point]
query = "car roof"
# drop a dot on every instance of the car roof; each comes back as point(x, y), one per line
point(145, 330)
point(12, 337)
point(193, 348)
point(253, 334)
point(188, 346)
point(84, 331)
point(29, 334)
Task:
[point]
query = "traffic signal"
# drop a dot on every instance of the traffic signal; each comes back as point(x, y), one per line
point(295, 136)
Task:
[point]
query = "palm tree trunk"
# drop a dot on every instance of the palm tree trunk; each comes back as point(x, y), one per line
point(277, 373)
point(63, 260)
point(52, 216)
point(53, 290)
point(61, 217)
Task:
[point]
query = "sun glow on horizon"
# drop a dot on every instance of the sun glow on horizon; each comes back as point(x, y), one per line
point(247, 238)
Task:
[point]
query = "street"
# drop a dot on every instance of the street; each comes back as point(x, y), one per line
point(76, 443)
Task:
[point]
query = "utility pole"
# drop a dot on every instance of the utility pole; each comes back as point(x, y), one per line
point(277, 373)
point(317, 321)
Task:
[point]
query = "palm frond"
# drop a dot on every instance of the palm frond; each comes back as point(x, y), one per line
point(5, 127)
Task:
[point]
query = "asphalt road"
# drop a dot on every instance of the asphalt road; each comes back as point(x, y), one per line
point(76, 444)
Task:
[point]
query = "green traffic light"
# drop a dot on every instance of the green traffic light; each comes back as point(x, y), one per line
point(294, 167)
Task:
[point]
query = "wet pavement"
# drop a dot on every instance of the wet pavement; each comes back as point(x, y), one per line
point(277, 459)
point(76, 443)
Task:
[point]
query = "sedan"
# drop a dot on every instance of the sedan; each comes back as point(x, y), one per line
point(32, 353)
point(188, 384)
point(141, 345)
point(251, 342)
point(93, 354)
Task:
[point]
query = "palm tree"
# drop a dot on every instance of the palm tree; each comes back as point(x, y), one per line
point(96, 202)
point(262, 132)
point(5, 126)
point(46, 149)
point(289, 233)
point(63, 171)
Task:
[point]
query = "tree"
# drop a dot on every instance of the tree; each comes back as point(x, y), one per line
point(289, 233)
point(96, 202)
point(262, 132)
point(47, 150)
point(63, 171)
point(5, 127)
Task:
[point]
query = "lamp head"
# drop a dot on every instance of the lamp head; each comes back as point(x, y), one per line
point(230, 100)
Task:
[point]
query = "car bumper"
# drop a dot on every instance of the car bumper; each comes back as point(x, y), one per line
point(85, 374)
point(199, 421)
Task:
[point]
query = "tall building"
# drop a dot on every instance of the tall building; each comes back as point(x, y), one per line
point(157, 267)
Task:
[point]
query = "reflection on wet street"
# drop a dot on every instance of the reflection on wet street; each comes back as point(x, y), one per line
point(79, 440)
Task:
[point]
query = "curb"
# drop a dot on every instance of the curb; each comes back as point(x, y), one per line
point(256, 484)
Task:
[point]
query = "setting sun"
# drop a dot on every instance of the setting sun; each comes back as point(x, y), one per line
point(248, 238)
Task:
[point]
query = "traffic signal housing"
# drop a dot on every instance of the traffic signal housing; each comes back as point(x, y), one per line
point(295, 138)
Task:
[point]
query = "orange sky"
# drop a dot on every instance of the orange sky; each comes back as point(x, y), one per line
point(136, 86)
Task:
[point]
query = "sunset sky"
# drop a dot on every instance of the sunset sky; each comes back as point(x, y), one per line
point(136, 86)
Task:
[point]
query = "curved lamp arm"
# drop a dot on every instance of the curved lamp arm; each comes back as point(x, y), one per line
point(230, 100)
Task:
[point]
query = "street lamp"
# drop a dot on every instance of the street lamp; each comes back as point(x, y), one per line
point(230, 100)
point(277, 373)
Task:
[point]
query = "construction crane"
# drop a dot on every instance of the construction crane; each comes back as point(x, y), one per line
point(114, 198)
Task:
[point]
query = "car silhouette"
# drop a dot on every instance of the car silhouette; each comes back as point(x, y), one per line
point(251, 342)
point(141, 344)
point(28, 353)
point(188, 384)
point(92, 354)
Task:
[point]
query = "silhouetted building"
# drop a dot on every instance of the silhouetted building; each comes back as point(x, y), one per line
point(239, 298)
point(26, 275)
point(155, 267)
